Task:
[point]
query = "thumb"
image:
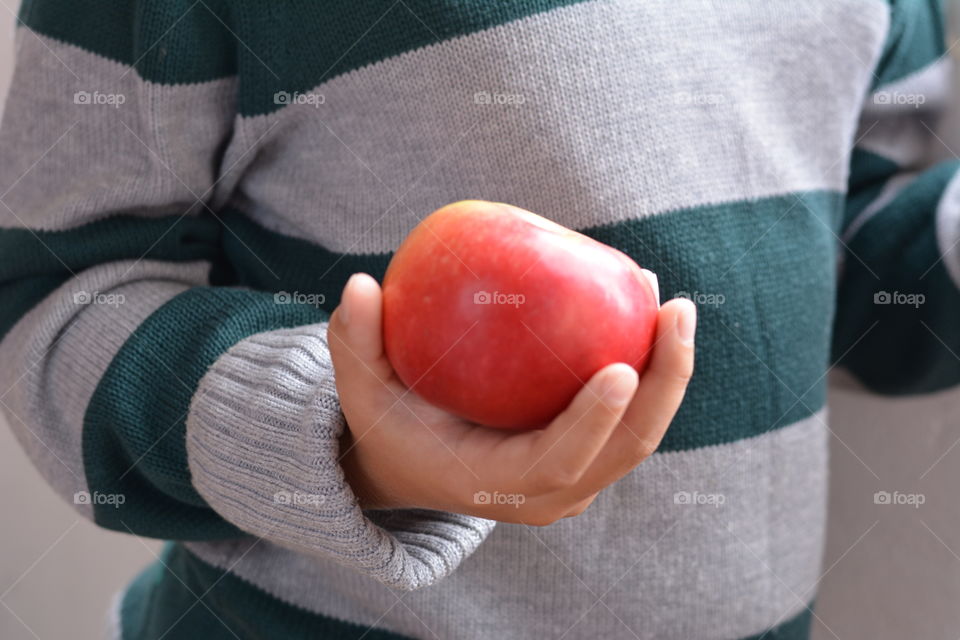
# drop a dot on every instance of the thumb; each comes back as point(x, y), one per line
point(355, 335)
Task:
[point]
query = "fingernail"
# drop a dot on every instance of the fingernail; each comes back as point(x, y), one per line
point(619, 390)
point(654, 282)
point(687, 323)
point(344, 308)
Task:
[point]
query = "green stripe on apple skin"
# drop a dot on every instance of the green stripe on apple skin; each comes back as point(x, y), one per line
point(894, 276)
point(763, 272)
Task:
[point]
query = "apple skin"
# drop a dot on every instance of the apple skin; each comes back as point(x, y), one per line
point(512, 363)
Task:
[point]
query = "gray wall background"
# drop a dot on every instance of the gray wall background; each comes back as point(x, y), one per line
point(890, 572)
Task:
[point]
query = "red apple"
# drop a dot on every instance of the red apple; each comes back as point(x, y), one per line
point(500, 316)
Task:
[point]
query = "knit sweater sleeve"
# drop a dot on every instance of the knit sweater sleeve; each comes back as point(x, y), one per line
point(149, 390)
point(898, 311)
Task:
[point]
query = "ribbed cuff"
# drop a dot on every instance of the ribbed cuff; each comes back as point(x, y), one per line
point(263, 444)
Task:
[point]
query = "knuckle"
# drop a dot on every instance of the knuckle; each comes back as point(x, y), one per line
point(680, 377)
point(644, 448)
point(639, 447)
point(554, 478)
point(677, 374)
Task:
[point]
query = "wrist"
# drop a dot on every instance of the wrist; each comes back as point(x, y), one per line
point(359, 478)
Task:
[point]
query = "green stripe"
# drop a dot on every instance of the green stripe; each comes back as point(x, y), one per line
point(21, 296)
point(181, 41)
point(343, 36)
point(891, 253)
point(269, 261)
point(797, 628)
point(277, 46)
point(161, 602)
point(135, 425)
point(772, 259)
point(173, 42)
point(761, 355)
point(917, 38)
point(106, 29)
point(37, 262)
point(869, 173)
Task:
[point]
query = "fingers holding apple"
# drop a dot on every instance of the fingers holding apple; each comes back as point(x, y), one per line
point(607, 454)
point(654, 404)
point(498, 316)
point(564, 450)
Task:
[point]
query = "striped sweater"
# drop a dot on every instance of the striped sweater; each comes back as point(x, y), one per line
point(186, 186)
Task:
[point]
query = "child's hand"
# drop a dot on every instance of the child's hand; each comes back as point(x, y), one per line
point(401, 452)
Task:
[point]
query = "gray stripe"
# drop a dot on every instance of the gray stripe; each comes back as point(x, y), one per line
point(668, 570)
point(75, 163)
point(56, 354)
point(635, 124)
point(893, 125)
point(900, 138)
point(948, 229)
